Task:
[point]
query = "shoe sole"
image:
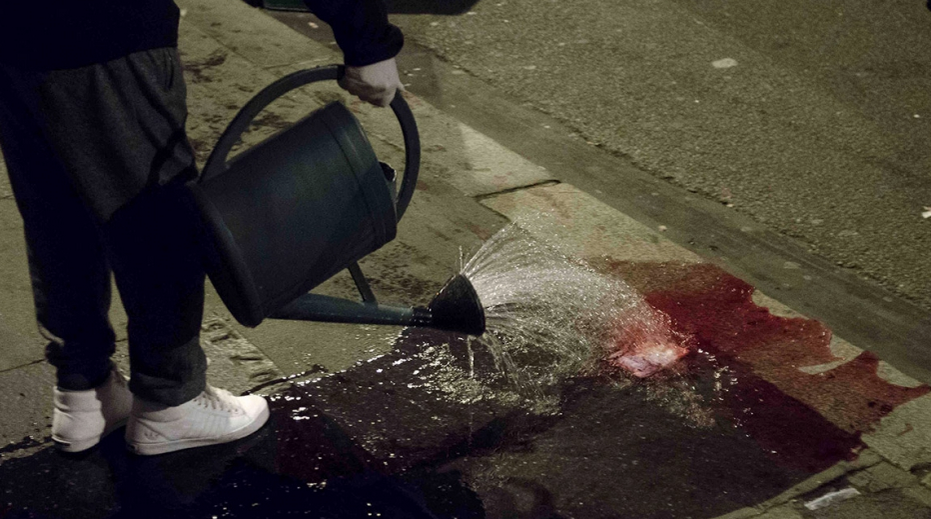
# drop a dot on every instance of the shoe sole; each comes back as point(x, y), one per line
point(76, 446)
point(152, 449)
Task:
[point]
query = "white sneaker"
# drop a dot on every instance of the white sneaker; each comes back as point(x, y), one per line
point(215, 416)
point(81, 418)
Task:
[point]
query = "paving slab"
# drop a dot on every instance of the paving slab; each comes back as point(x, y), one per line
point(19, 334)
point(781, 513)
point(904, 437)
point(576, 223)
point(26, 406)
point(882, 476)
point(21, 342)
point(250, 34)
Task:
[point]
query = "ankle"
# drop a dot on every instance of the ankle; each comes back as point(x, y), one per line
point(82, 382)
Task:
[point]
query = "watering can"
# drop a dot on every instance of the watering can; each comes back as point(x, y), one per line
point(292, 211)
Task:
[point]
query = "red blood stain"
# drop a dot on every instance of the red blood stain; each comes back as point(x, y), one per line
point(804, 420)
point(645, 346)
point(790, 432)
point(851, 395)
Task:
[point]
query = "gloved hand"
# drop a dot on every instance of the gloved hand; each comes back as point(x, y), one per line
point(376, 83)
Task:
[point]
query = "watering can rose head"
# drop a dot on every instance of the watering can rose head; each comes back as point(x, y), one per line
point(376, 84)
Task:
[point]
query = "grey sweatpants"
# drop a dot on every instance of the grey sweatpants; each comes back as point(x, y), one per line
point(97, 157)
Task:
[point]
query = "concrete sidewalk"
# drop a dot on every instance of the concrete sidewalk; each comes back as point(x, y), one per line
point(470, 188)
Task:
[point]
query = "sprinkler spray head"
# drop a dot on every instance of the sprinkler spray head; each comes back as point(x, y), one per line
point(457, 307)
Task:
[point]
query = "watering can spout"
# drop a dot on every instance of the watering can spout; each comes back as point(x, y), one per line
point(456, 307)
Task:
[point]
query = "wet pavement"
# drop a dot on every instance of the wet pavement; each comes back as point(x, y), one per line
point(433, 429)
point(407, 445)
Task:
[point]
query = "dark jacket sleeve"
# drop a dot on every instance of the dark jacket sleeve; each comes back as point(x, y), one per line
point(361, 28)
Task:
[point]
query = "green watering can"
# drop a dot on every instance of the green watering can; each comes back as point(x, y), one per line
point(292, 211)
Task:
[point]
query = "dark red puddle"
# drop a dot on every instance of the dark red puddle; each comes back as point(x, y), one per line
point(804, 421)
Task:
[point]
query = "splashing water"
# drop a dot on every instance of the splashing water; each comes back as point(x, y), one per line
point(550, 317)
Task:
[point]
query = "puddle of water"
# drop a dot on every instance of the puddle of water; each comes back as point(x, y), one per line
point(301, 464)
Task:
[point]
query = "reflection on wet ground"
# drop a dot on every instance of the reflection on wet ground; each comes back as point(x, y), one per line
point(390, 450)
point(432, 430)
point(300, 464)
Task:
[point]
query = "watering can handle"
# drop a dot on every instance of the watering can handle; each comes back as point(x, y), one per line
point(216, 163)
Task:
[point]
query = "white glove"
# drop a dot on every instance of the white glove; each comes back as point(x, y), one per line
point(376, 83)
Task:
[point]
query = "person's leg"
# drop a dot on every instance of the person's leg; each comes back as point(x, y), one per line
point(150, 241)
point(118, 129)
point(152, 237)
point(69, 273)
point(153, 246)
point(70, 277)
point(159, 271)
